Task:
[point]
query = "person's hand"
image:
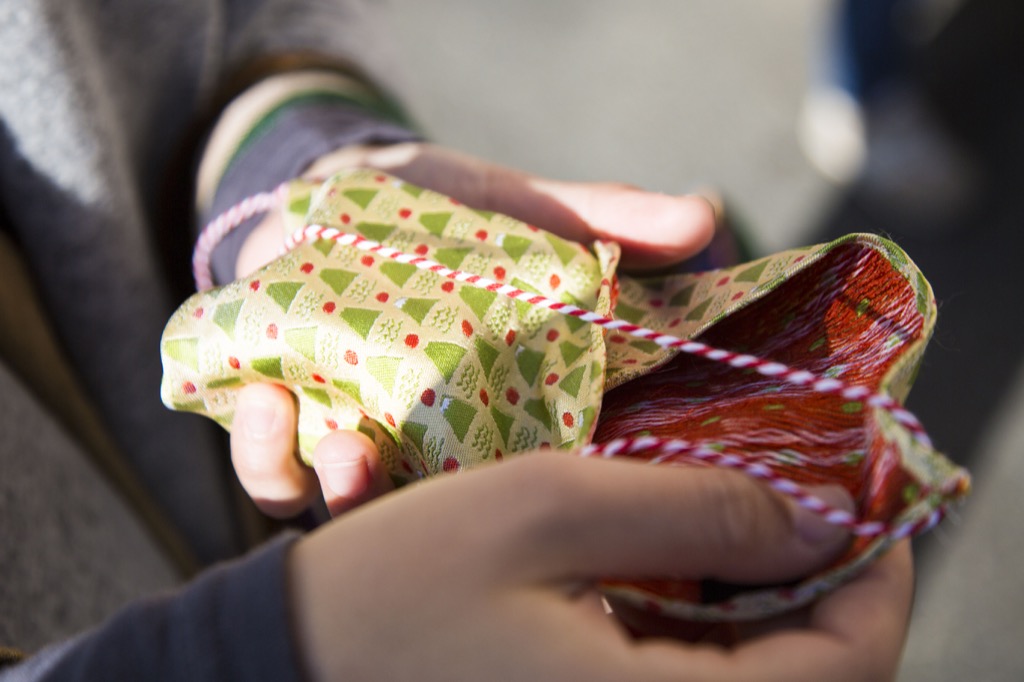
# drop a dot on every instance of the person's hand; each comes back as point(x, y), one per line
point(490, 574)
point(653, 229)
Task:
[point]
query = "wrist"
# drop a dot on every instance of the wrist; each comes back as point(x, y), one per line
point(274, 132)
point(310, 603)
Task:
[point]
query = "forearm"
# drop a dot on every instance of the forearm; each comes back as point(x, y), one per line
point(232, 623)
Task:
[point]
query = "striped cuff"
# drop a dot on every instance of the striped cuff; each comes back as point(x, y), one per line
point(274, 131)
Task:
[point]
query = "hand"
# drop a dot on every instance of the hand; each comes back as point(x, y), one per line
point(653, 229)
point(489, 574)
point(347, 469)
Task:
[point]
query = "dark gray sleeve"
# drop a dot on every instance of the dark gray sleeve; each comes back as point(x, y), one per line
point(232, 623)
point(298, 134)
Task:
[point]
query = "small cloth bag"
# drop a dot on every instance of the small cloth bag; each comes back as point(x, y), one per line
point(452, 336)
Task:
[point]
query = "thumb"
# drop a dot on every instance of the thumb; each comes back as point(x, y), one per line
point(626, 519)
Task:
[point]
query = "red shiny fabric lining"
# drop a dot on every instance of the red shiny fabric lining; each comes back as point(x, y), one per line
point(849, 315)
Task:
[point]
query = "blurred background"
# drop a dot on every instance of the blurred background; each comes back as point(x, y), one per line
point(813, 118)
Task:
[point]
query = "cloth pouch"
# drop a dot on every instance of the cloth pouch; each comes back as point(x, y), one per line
point(452, 336)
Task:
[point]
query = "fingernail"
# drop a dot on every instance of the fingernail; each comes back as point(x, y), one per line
point(259, 420)
point(345, 478)
point(811, 527)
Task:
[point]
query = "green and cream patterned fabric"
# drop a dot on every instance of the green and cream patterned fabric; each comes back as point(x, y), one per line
point(439, 375)
point(443, 375)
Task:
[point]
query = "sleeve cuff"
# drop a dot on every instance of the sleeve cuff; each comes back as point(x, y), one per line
point(277, 129)
point(233, 623)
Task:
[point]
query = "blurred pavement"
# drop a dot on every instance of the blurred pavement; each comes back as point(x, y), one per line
point(674, 95)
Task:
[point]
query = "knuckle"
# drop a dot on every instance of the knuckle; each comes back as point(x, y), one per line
point(545, 490)
point(746, 514)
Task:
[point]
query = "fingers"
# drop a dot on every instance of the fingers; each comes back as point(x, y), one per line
point(623, 518)
point(654, 230)
point(347, 463)
point(521, 539)
point(881, 596)
point(870, 599)
point(722, 524)
point(350, 470)
point(856, 633)
point(263, 451)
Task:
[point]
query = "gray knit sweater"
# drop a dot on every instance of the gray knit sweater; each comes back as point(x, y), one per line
point(96, 100)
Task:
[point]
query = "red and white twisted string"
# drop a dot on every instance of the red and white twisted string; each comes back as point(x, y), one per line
point(218, 228)
point(768, 368)
point(671, 449)
point(676, 451)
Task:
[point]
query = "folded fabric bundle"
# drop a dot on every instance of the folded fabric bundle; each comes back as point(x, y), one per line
point(452, 337)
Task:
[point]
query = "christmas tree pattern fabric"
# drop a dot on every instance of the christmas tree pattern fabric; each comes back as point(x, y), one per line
point(452, 336)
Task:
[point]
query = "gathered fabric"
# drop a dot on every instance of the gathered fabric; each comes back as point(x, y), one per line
point(453, 337)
